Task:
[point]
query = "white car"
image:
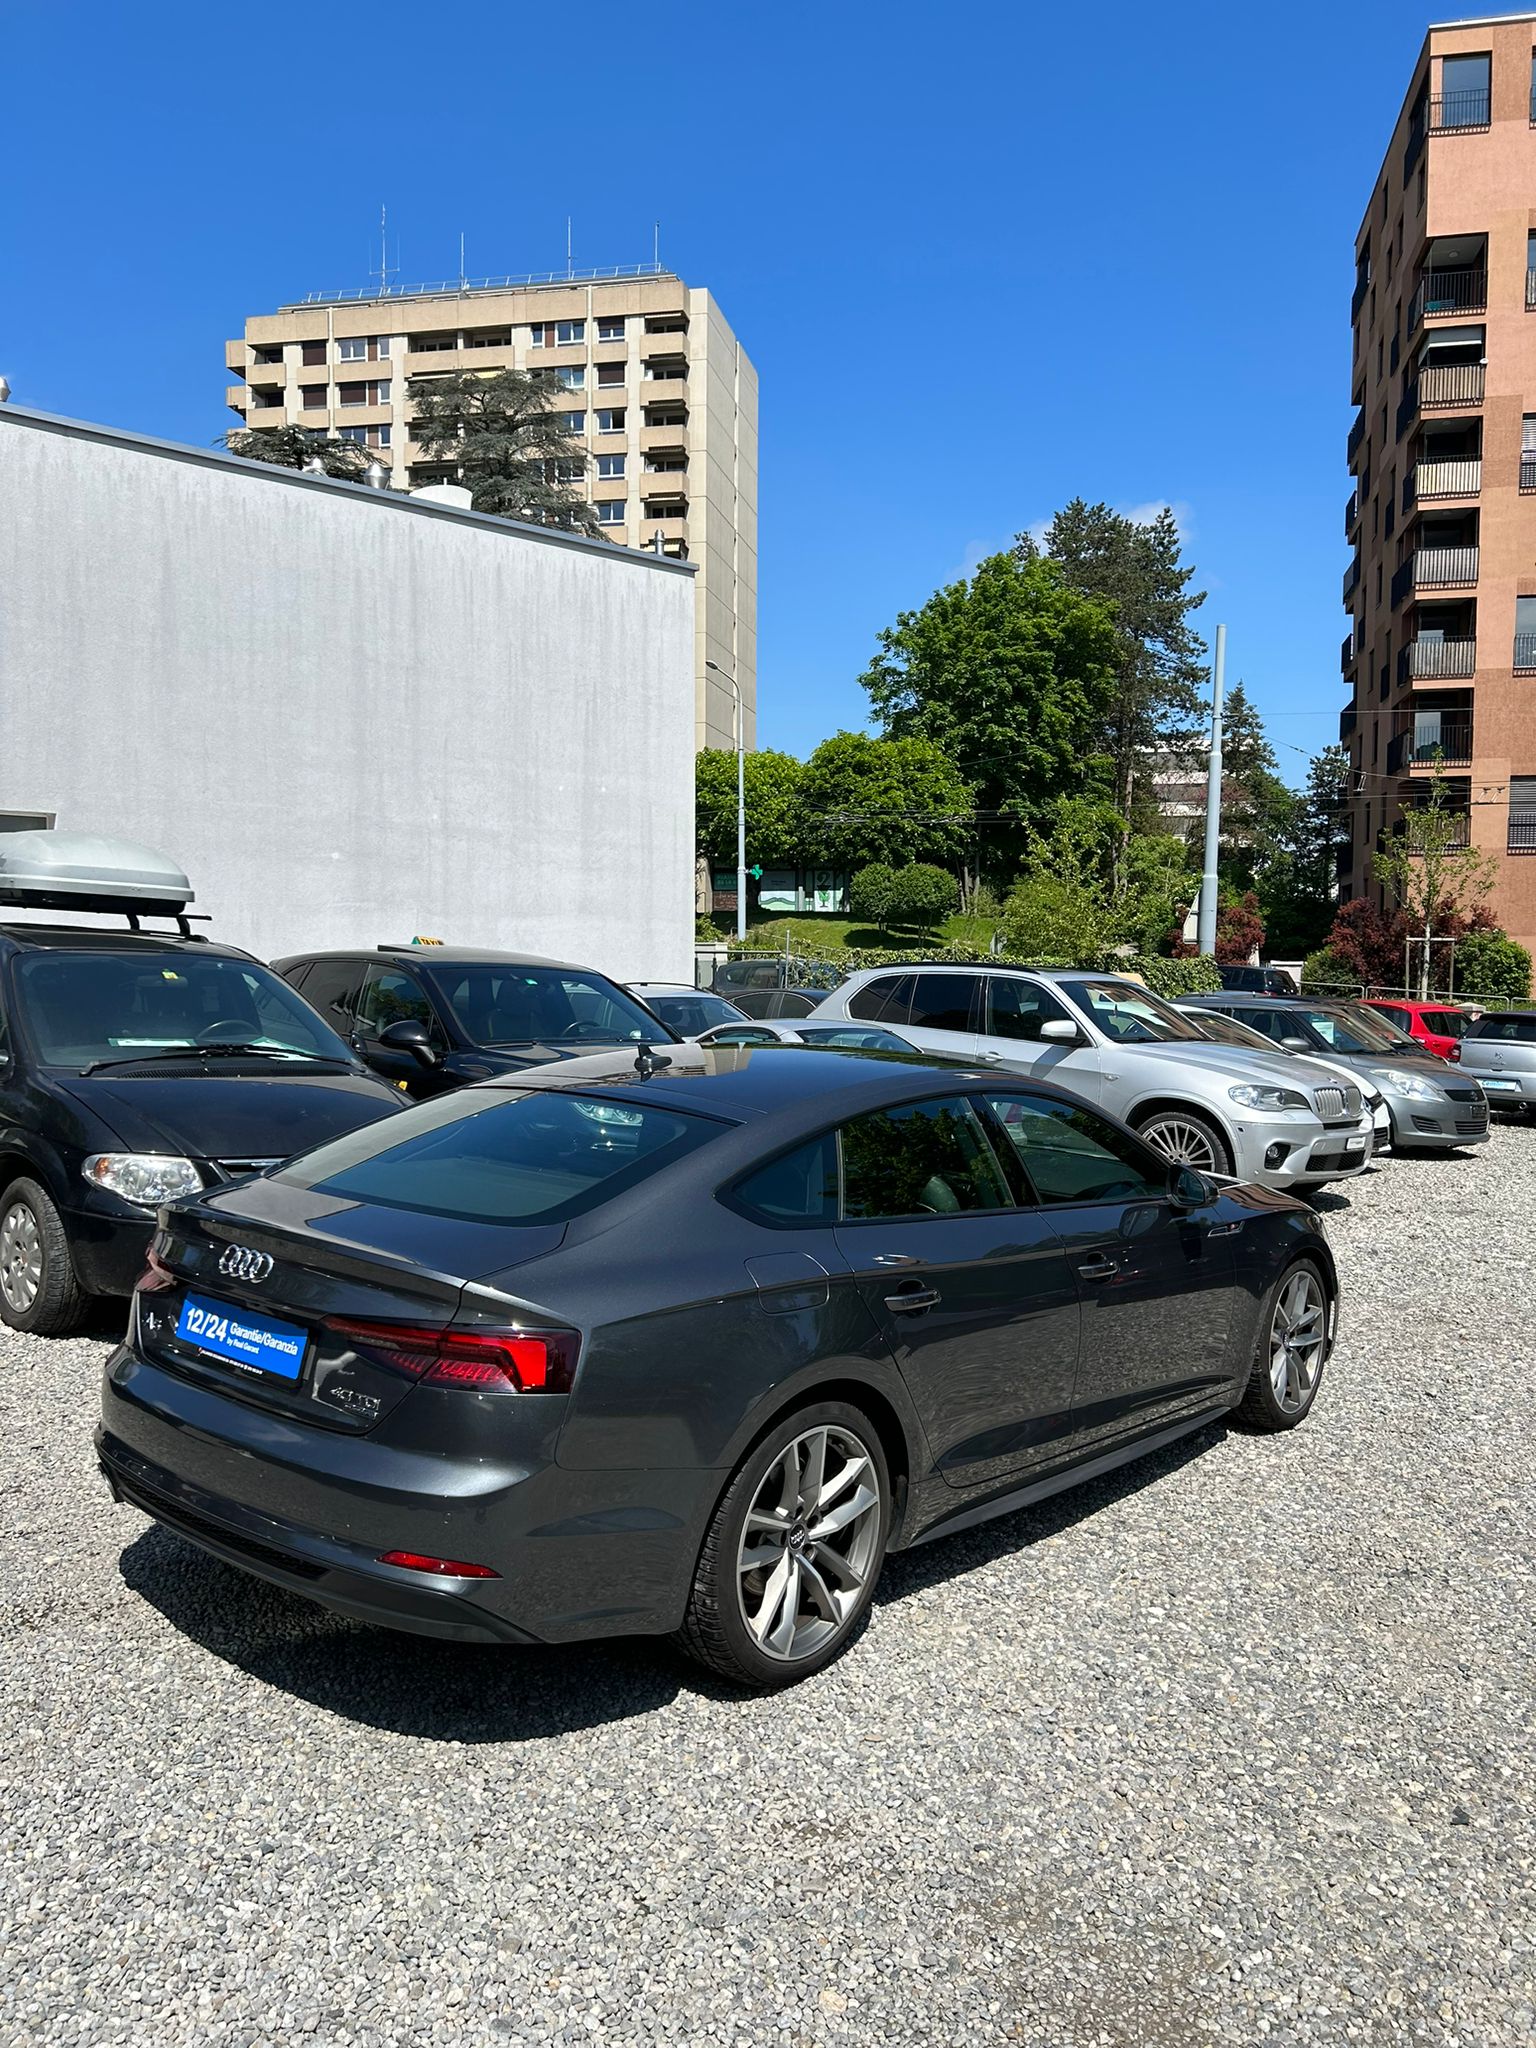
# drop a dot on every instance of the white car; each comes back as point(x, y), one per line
point(1221, 1109)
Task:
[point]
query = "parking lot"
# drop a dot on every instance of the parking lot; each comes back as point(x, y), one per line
point(1235, 1746)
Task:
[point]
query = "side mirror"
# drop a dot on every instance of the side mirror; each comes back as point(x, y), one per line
point(1294, 1044)
point(1189, 1190)
point(409, 1034)
point(1060, 1031)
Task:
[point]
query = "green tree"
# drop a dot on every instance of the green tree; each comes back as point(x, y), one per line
point(1258, 810)
point(1297, 884)
point(1158, 694)
point(1010, 673)
point(1061, 906)
point(1491, 964)
point(775, 813)
point(871, 891)
point(293, 447)
point(922, 895)
point(1431, 873)
point(505, 433)
point(887, 800)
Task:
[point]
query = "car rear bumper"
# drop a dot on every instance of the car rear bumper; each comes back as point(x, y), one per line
point(1435, 1127)
point(1506, 1091)
point(576, 1553)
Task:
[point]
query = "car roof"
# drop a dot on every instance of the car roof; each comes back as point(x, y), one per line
point(670, 988)
point(1254, 998)
point(430, 956)
point(101, 939)
point(739, 1081)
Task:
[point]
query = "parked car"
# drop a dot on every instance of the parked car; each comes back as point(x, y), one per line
point(774, 984)
point(765, 1031)
point(690, 1012)
point(441, 1379)
point(1439, 1027)
point(1431, 1106)
point(1263, 981)
point(1113, 1042)
point(1229, 1030)
point(1500, 1050)
point(136, 1066)
point(434, 1017)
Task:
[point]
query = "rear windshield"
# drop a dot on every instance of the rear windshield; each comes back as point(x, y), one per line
point(497, 1002)
point(490, 1157)
point(82, 1007)
point(1519, 1030)
point(1445, 1023)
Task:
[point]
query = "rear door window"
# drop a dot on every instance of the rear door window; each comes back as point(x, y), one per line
point(920, 1159)
point(539, 1157)
point(944, 1002)
point(1444, 1023)
point(330, 986)
point(886, 1001)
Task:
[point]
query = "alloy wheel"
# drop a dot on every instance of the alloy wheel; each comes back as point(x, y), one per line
point(1186, 1143)
point(1298, 1332)
point(809, 1544)
point(21, 1258)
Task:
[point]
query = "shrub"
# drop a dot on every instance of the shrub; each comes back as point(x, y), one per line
point(1169, 978)
point(1328, 973)
point(1491, 964)
point(1369, 943)
point(922, 895)
point(871, 891)
point(1239, 931)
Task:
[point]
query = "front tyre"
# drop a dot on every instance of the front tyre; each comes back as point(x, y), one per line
point(793, 1552)
point(1291, 1351)
point(38, 1289)
point(1188, 1139)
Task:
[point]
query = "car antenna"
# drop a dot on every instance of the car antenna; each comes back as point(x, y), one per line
point(648, 1062)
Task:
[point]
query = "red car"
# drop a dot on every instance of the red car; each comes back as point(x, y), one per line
point(1436, 1026)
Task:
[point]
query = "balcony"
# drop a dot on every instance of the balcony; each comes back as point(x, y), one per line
point(1449, 291)
point(1431, 744)
point(1347, 654)
point(1351, 580)
point(671, 438)
point(1459, 110)
point(1356, 436)
point(1525, 654)
point(1357, 296)
point(1462, 478)
point(236, 396)
point(1437, 661)
point(1349, 718)
point(1413, 148)
point(1444, 385)
point(1458, 833)
point(1435, 569)
point(1351, 515)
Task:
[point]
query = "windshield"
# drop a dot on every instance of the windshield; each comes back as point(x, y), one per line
point(538, 1157)
point(1351, 1030)
point(692, 1014)
point(82, 1007)
point(1129, 1015)
point(500, 1002)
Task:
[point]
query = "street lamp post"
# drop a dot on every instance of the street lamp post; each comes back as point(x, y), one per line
point(739, 724)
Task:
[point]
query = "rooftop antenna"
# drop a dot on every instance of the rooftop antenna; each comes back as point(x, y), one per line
point(656, 245)
point(567, 245)
point(461, 259)
point(384, 270)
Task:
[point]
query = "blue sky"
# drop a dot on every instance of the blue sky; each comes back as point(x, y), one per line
point(985, 258)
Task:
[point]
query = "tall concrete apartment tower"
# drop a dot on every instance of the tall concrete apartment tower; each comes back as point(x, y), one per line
point(1441, 652)
point(661, 395)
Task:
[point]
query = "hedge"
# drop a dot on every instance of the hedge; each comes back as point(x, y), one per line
point(1165, 977)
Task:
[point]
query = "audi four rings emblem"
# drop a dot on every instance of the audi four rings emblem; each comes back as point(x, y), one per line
point(241, 1263)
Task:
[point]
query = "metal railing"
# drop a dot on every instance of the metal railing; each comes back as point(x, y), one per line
point(1459, 110)
point(1347, 654)
point(1449, 291)
point(1450, 745)
point(1458, 835)
point(1407, 407)
point(1351, 579)
point(1402, 583)
point(1356, 436)
point(1443, 568)
point(1447, 384)
point(1525, 654)
point(1461, 477)
point(1351, 514)
point(1433, 661)
point(1349, 718)
point(1522, 832)
point(1527, 471)
point(1357, 296)
point(1413, 148)
point(485, 284)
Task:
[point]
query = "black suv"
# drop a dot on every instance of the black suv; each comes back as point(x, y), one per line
point(1258, 981)
point(137, 1067)
point(435, 1017)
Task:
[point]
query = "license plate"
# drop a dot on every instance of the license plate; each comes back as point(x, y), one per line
point(1356, 1144)
point(1502, 1084)
point(256, 1343)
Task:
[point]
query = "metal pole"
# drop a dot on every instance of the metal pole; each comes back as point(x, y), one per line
point(1207, 925)
point(741, 816)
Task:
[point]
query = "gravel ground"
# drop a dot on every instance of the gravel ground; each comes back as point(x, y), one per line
point(1237, 1747)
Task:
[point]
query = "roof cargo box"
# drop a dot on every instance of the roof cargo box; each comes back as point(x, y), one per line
point(83, 871)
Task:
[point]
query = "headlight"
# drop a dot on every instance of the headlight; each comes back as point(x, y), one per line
point(147, 1178)
point(1268, 1098)
point(1417, 1087)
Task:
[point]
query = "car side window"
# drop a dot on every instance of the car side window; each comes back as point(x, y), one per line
point(390, 994)
point(1017, 1009)
point(886, 1001)
point(1071, 1155)
point(797, 1187)
point(1403, 1019)
point(329, 987)
point(944, 1002)
point(920, 1159)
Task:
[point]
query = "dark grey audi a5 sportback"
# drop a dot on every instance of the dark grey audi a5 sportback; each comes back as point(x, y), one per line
point(684, 1343)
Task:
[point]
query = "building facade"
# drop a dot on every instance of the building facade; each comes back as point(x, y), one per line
point(1440, 658)
point(351, 715)
point(661, 396)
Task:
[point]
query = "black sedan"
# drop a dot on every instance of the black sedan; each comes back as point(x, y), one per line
point(684, 1343)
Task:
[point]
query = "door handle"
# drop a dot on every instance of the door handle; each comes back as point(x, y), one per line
point(1100, 1267)
point(912, 1300)
point(995, 1057)
point(894, 1259)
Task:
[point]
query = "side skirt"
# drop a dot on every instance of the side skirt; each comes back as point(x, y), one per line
point(1070, 1475)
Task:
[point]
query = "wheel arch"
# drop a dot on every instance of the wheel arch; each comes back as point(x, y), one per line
point(899, 1433)
point(1150, 1106)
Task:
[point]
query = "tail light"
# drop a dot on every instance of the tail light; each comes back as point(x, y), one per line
point(1454, 1055)
point(440, 1567)
point(155, 1276)
point(479, 1361)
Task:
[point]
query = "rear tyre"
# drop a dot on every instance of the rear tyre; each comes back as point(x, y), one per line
point(38, 1289)
point(1187, 1138)
point(793, 1551)
point(1290, 1353)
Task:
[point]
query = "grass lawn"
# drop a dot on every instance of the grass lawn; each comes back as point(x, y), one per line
point(829, 935)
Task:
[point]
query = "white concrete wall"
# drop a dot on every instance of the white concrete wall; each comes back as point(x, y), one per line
point(351, 718)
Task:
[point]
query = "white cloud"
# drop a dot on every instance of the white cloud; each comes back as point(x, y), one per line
point(977, 552)
point(1143, 515)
